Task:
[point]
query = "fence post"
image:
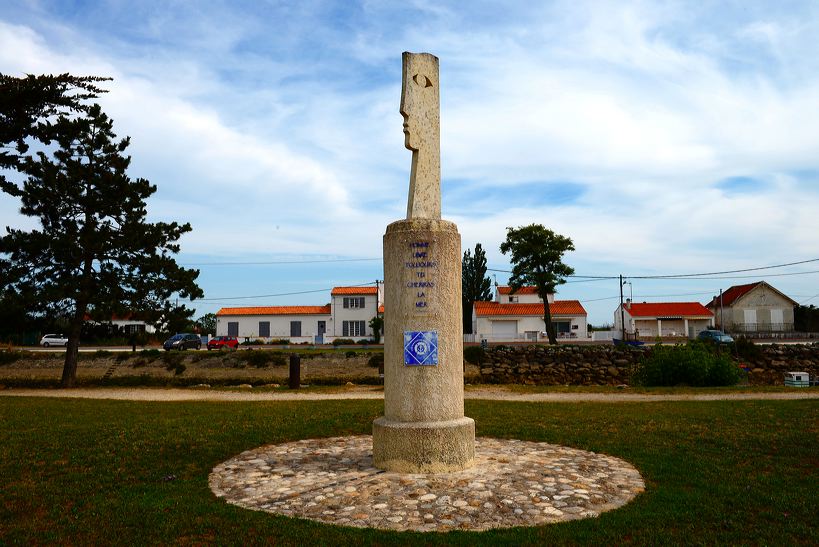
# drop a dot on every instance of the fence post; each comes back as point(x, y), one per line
point(295, 371)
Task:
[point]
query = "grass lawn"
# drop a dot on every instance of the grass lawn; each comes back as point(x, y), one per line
point(121, 472)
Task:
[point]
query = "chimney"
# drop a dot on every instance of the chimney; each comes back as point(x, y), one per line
point(628, 303)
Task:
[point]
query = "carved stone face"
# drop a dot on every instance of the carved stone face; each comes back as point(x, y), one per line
point(419, 100)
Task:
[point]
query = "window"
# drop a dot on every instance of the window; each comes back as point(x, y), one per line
point(353, 328)
point(233, 328)
point(295, 328)
point(513, 299)
point(353, 301)
point(264, 328)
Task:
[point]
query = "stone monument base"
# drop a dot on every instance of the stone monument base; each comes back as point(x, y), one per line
point(423, 447)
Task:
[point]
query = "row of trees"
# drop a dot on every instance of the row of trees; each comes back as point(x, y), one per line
point(94, 254)
point(536, 254)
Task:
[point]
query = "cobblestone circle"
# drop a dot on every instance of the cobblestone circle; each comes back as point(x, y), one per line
point(513, 483)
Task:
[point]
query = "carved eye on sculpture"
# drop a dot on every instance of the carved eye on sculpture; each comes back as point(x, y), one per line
point(422, 80)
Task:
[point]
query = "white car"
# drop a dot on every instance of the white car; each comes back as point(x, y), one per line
point(54, 340)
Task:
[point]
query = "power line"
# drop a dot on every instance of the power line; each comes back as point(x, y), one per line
point(279, 294)
point(277, 262)
point(725, 272)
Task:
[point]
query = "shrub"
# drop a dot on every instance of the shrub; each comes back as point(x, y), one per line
point(139, 362)
point(172, 360)
point(343, 342)
point(261, 358)
point(365, 341)
point(122, 356)
point(8, 357)
point(179, 369)
point(280, 342)
point(350, 353)
point(694, 364)
point(376, 360)
point(474, 354)
point(746, 349)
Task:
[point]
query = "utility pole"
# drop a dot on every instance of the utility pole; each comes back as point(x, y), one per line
point(721, 317)
point(622, 311)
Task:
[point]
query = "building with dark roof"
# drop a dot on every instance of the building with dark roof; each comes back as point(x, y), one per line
point(753, 308)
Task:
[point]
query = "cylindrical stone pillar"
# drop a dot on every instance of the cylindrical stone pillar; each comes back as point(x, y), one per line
point(423, 429)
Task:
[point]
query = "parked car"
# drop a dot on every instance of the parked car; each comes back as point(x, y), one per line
point(54, 340)
point(183, 341)
point(219, 342)
point(716, 336)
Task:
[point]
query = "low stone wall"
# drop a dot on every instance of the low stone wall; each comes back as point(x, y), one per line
point(559, 365)
point(773, 361)
point(611, 365)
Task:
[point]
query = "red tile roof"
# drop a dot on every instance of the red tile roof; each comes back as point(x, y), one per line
point(558, 307)
point(729, 296)
point(277, 310)
point(522, 290)
point(668, 309)
point(354, 290)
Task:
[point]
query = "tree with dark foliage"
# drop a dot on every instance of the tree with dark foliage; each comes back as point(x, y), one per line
point(536, 257)
point(94, 253)
point(475, 286)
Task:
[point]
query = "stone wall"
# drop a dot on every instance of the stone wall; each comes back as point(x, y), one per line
point(610, 365)
point(559, 365)
point(773, 361)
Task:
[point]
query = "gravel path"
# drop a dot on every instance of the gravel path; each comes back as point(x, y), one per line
point(360, 392)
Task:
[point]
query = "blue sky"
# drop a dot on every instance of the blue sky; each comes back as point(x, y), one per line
point(662, 137)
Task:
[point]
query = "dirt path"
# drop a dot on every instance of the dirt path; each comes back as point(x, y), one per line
point(361, 392)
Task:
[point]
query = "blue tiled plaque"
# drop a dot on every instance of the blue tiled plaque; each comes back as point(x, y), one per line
point(421, 348)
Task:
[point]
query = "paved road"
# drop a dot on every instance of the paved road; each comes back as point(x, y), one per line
point(360, 392)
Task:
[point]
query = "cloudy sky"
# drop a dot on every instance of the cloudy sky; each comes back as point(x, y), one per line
point(664, 138)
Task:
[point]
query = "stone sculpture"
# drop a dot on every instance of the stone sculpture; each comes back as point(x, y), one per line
point(423, 429)
point(420, 106)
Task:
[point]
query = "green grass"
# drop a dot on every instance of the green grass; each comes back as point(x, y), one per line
point(91, 472)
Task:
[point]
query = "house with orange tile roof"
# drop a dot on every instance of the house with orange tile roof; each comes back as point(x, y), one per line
point(753, 308)
point(346, 316)
point(518, 315)
point(663, 319)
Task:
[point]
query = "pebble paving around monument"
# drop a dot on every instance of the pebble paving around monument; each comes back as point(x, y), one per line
point(376, 481)
point(513, 483)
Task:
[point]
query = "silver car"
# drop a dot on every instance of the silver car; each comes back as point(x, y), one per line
point(54, 340)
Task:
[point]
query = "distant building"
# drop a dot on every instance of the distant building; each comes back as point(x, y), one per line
point(755, 307)
point(126, 324)
point(346, 316)
point(663, 319)
point(519, 316)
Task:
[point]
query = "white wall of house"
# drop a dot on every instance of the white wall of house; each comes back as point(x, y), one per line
point(520, 298)
point(760, 309)
point(280, 326)
point(125, 324)
point(508, 327)
point(339, 314)
point(651, 326)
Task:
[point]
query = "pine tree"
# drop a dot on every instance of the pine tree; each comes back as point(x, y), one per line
point(537, 261)
point(94, 253)
point(475, 286)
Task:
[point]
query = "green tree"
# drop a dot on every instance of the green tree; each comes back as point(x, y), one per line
point(377, 324)
point(536, 257)
point(27, 104)
point(94, 252)
point(207, 324)
point(475, 285)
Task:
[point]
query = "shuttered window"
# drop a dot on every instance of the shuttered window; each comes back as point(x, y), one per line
point(353, 301)
point(295, 328)
point(233, 328)
point(353, 328)
point(264, 328)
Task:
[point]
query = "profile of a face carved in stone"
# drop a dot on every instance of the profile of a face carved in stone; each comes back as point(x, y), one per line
point(419, 100)
point(420, 108)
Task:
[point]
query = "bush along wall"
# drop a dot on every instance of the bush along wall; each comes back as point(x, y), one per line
point(611, 365)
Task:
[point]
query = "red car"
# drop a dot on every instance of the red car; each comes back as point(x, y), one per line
point(220, 342)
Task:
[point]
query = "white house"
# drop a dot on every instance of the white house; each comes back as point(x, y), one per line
point(652, 319)
point(755, 307)
point(519, 316)
point(346, 316)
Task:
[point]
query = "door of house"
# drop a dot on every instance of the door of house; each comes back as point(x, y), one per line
point(322, 328)
point(750, 319)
